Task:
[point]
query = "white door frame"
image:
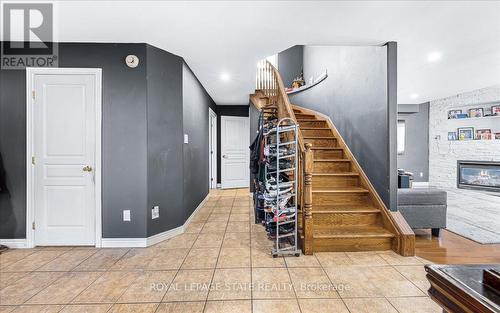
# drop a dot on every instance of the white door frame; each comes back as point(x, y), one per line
point(30, 84)
point(212, 159)
point(248, 150)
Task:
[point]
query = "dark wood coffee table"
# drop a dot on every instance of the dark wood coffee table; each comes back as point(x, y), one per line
point(460, 288)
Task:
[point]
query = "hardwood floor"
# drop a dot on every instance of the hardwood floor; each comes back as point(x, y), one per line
point(451, 248)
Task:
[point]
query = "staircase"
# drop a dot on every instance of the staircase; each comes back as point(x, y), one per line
point(340, 209)
point(344, 215)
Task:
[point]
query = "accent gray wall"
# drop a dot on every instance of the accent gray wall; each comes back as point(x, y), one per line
point(355, 96)
point(144, 160)
point(164, 107)
point(290, 64)
point(124, 138)
point(416, 156)
point(254, 123)
point(196, 102)
point(12, 154)
point(392, 113)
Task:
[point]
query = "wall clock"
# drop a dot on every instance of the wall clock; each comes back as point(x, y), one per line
point(132, 61)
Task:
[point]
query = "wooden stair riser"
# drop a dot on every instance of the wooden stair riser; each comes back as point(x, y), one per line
point(328, 154)
point(327, 181)
point(328, 220)
point(321, 124)
point(331, 167)
point(352, 244)
point(322, 142)
point(300, 116)
point(325, 198)
point(317, 132)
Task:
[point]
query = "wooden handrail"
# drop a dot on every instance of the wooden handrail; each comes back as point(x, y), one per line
point(269, 82)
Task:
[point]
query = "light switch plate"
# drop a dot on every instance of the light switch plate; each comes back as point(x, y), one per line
point(126, 215)
point(186, 138)
point(155, 212)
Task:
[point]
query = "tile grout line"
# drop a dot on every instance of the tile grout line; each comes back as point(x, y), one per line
point(333, 284)
point(184, 260)
point(250, 224)
point(217, 261)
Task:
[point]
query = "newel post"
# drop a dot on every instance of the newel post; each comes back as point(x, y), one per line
point(308, 216)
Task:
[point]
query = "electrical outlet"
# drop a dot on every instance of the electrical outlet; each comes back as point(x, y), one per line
point(155, 212)
point(421, 174)
point(126, 215)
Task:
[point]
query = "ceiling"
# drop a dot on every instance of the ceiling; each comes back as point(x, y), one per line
point(230, 36)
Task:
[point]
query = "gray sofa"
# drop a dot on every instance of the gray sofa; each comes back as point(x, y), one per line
point(423, 208)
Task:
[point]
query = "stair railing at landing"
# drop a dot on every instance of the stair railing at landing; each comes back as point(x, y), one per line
point(271, 87)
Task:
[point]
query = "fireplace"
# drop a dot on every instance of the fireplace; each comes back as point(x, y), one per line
point(484, 175)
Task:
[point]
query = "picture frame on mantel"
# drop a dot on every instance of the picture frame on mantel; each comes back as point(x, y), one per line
point(476, 112)
point(483, 134)
point(452, 114)
point(452, 136)
point(495, 110)
point(465, 133)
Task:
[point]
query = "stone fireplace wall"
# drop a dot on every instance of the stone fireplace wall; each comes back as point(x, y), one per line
point(443, 154)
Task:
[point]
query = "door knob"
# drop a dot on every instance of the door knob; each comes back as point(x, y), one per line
point(224, 156)
point(87, 168)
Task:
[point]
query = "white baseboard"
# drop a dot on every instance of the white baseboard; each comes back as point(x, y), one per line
point(123, 242)
point(202, 203)
point(14, 243)
point(152, 240)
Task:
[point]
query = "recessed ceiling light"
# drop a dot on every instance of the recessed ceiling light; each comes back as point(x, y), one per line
point(434, 56)
point(225, 76)
point(414, 96)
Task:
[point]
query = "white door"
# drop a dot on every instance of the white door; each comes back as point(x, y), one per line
point(235, 139)
point(212, 149)
point(64, 147)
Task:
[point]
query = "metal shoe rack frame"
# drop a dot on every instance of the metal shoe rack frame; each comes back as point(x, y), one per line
point(287, 127)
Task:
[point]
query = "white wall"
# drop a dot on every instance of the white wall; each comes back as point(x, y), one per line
point(443, 154)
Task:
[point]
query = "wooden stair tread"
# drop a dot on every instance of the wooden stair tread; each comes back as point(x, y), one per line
point(332, 160)
point(326, 148)
point(314, 128)
point(318, 137)
point(352, 232)
point(336, 174)
point(347, 211)
point(346, 208)
point(339, 190)
point(310, 120)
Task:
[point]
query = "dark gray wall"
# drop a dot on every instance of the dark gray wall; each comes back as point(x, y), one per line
point(355, 97)
point(416, 156)
point(124, 138)
point(227, 110)
point(254, 123)
point(165, 159)
point(196, 102)
point(12, 154)
point(144, 160)
point(290, 64)
point(392, 113)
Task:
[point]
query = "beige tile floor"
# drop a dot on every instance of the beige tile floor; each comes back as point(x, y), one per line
point(222, 263)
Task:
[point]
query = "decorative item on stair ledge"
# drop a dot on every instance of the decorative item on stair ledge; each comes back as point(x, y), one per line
point(304, 86)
